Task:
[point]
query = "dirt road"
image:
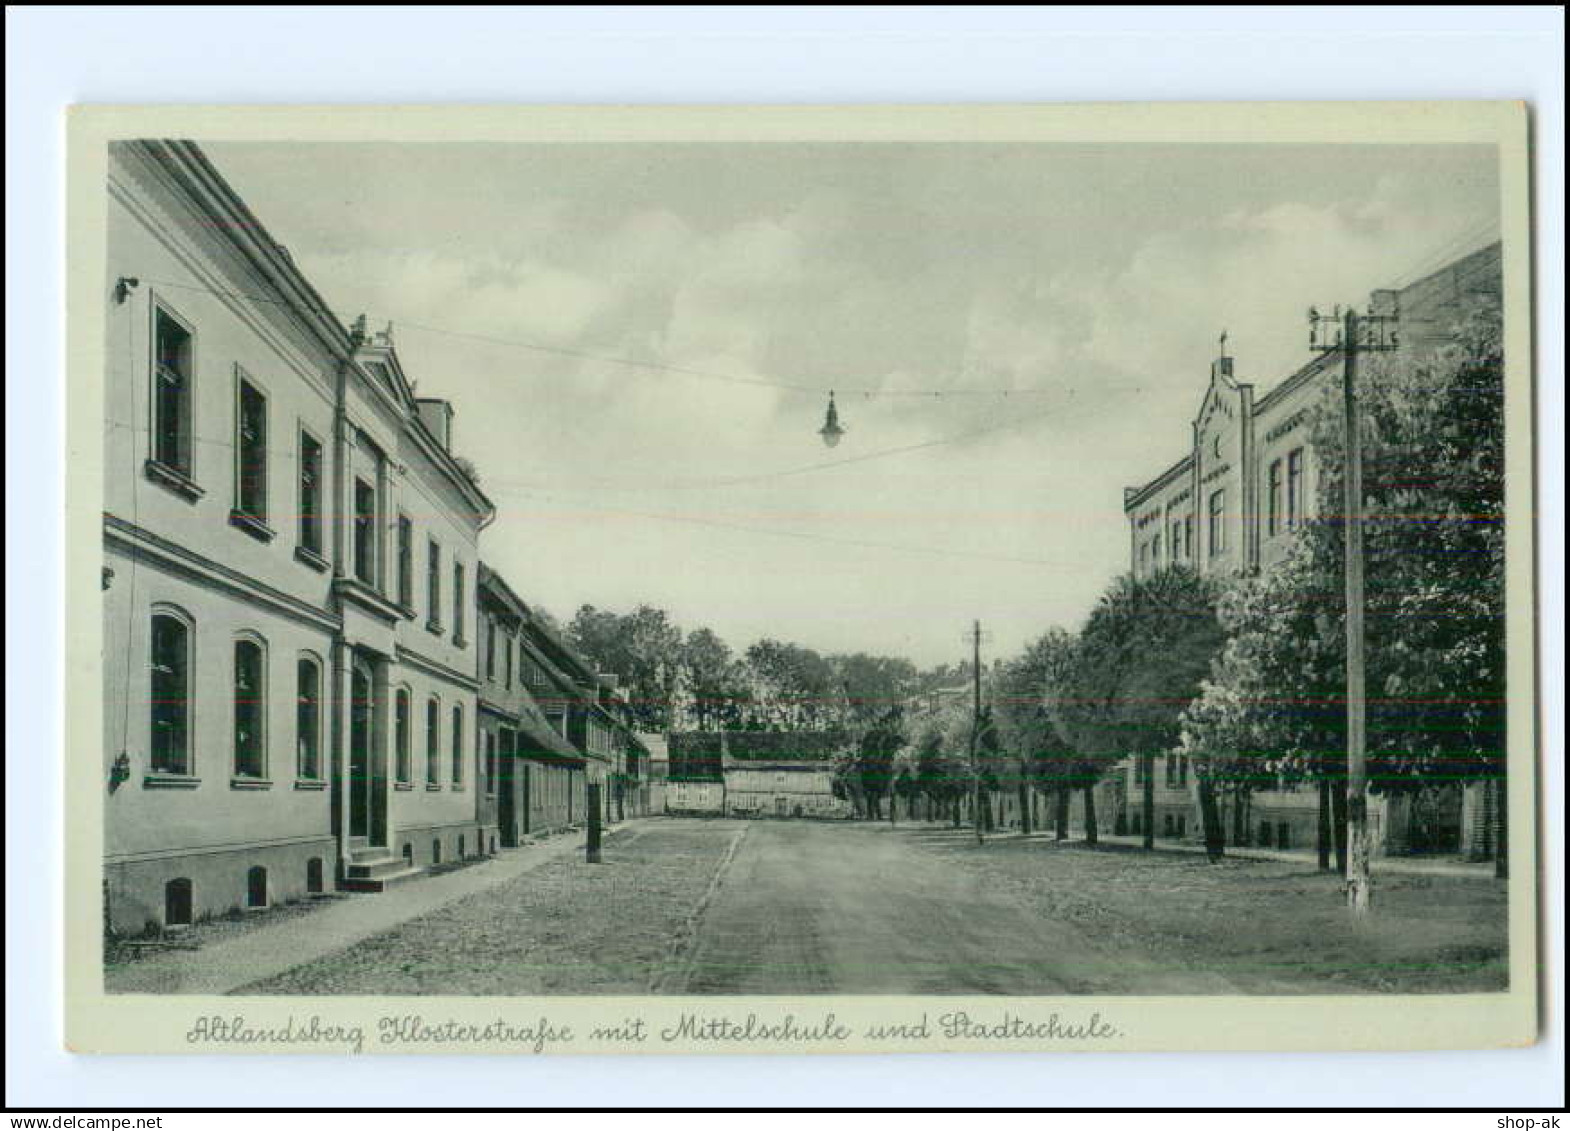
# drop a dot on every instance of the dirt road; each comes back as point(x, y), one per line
point(809, 907)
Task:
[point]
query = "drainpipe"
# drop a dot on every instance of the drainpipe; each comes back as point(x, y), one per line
point(340, 649)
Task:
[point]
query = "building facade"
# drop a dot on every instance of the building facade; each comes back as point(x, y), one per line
point(533, 771)
point(270, 484)
point(783, 789)
point(1234, 501)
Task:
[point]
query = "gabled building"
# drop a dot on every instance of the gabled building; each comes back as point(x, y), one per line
point(1233, 502)
point(289, 551)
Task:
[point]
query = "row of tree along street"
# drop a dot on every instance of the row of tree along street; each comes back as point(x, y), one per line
point(1242, 675)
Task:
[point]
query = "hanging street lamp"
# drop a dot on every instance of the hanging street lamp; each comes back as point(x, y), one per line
point(831, 430)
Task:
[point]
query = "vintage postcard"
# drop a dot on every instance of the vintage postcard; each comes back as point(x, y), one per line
point(761, 579)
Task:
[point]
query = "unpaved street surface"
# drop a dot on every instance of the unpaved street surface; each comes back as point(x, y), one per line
point(861, 909)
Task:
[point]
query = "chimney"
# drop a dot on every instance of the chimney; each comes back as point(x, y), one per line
point(1222, 368)
point(436, 415)
point(1385, 302)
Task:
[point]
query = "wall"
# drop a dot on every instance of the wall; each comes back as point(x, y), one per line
point(175, 548)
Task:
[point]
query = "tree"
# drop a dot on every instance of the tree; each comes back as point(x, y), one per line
point(793, 688)
point(1434, 560)
point(642, 648)
point(1140, 659)
point(714, 680)
point(871, 770)
point(1273, 708)
point(1026, 687)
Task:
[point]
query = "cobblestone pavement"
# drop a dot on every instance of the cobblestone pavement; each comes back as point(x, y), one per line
point(280, 940)
point(567, 927)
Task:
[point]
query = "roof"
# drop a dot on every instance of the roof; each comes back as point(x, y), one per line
point(211, 191)
point(537, 740)
point(1133, 496)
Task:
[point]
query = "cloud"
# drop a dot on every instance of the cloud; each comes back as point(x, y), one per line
point(1102, 274)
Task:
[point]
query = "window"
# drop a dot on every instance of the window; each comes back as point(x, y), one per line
point(1294, 487)
point(507, 645)
point(256, 888)
point(433, 743)
point(250, 697)
point(457, 745)
point(313, 876)
point(365, 531)
point(311, 487)
point(1139, 769)
point(457, 602)
point(1188, 536)
point(172, 376)
point(405, 562)
point(490, 649)
point(1273, 502)
point(170, 696)
point(433, 586)
point(1177, 538)
point(1155, 550)
point(401, 768)
point(1218, 527)
point(308, 720)
point(490, 765)
point(250, 451)
point(177, 903)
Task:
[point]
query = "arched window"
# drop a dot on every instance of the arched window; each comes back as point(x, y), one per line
point(457, 745)
point(256, 887)
point(433, 742)
point(401, 750)
point(308, 720)
point(250, 709)
point(170, 694)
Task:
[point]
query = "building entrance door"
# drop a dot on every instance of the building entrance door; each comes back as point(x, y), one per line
point(360, 753)
point(506, 789)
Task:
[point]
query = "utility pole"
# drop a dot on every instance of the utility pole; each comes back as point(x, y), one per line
point(1353, 334)
point(975, 728)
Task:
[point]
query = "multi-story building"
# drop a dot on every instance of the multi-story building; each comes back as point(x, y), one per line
point(1234, 500)
point(533, 772)
point(404, 567)
point(285, 709)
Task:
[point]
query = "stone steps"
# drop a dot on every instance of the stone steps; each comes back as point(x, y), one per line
point(375, 869)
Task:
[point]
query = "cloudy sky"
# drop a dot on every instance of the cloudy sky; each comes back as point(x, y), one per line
point(918, 281)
